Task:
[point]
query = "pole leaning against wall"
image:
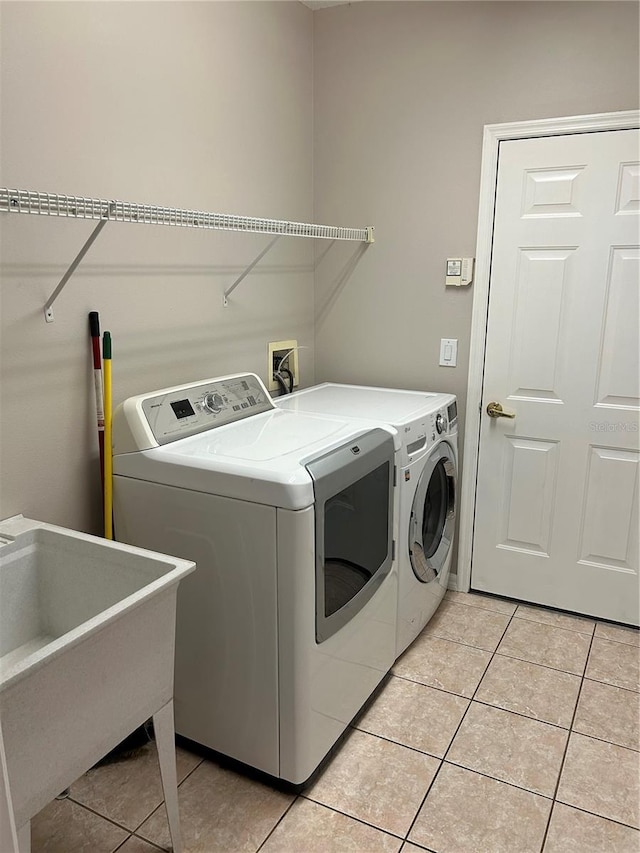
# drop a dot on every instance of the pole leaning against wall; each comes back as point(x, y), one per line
point(78, 207)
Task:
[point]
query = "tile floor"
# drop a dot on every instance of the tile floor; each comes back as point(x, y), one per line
point(503, 728)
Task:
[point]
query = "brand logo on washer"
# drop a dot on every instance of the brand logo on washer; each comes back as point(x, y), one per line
point(355, 449)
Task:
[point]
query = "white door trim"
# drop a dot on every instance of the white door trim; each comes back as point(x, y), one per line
point(493, 135)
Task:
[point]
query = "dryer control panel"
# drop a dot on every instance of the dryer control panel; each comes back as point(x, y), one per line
point(167, 415)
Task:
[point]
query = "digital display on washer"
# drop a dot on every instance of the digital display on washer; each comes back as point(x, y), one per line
point(182, 408)
point(452, 412)
point(181, 412)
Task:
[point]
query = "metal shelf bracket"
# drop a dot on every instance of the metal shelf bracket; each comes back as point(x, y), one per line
point(48, 305)
point(230, 290)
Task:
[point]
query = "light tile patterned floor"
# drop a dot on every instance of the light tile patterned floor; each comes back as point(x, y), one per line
point(504, 728)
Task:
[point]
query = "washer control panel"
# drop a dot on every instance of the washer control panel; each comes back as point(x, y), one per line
point(420, 435)
point(179, 412)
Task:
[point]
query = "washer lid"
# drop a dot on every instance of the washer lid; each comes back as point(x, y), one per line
point(389, 405)
point(261, 458)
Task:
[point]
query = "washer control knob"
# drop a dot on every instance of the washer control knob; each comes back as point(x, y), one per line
point(212, 403)
point(440, 424)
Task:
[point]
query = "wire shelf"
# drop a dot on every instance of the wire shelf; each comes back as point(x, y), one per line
point(103, 210)
point(78, 207)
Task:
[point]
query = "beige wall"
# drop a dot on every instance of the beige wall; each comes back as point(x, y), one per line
point(353, 115)
point(200, 105)
point(402, 92)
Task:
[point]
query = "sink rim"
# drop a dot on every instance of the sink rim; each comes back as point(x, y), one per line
point(11, 529)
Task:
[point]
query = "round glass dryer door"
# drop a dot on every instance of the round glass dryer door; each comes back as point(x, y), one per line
point(433, 515)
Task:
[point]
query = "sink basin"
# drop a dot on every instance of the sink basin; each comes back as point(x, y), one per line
point(87, 632)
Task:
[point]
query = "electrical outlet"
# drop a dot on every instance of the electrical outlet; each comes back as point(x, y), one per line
point(278, 350)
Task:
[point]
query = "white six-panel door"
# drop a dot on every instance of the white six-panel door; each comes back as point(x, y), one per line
point(557, 491)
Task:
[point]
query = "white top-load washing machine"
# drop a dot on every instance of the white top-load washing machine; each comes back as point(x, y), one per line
point(288, 623)
point(426, 484)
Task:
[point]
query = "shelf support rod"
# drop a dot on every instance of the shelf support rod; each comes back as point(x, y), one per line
point(230, 290)
point(48, 306)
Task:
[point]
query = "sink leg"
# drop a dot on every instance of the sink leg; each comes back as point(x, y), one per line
point(24, 838)
point(9, 838)
point(163, 727)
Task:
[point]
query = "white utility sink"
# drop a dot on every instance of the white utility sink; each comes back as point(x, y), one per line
point(87, 633)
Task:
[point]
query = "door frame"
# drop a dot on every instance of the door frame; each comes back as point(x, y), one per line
point(493, 135)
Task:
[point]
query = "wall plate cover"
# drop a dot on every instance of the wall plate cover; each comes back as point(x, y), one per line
point(282, 347)
point(448, 352)
point(459, 272)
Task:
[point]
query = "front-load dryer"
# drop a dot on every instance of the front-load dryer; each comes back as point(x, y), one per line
point(426, 484)
point(288, 623)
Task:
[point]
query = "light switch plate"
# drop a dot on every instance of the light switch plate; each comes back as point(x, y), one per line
point(448, 352)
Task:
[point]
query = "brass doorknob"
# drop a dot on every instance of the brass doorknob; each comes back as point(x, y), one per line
point(494, 410)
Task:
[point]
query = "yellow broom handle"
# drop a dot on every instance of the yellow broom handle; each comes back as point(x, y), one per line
point(108, 456)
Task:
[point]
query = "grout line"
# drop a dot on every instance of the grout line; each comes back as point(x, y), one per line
point(520, 714)
point(536, 663)
point(420, 751)
point(612, 623)
point(510, 657)
point(610, 684)
point(443, 759)
point(121, 845)
point(455, 734)
point(589, 634)
point(278, 822)
point(509, 711)
point(549, 607)
point(547, 797)
point(617, 642)
point(154, 809)
point(146, 841)
point(593, 814)
point(479, 606)
point(352, 817)
point(421, 684)
point(584, 632)
point(419, 846)
point(151, 813)
point(529, 621)
point(100, 814)
point(496, 779)
point(431, 686)
point(403, 745)
point(604, 740)
point(528, 618)
point(548, 824)
point(190, 773)
point(566, 747)
point(470, 645)
point(493, 654)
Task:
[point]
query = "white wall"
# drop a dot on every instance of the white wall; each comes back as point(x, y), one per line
point(402, 92)
point(199, 105)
